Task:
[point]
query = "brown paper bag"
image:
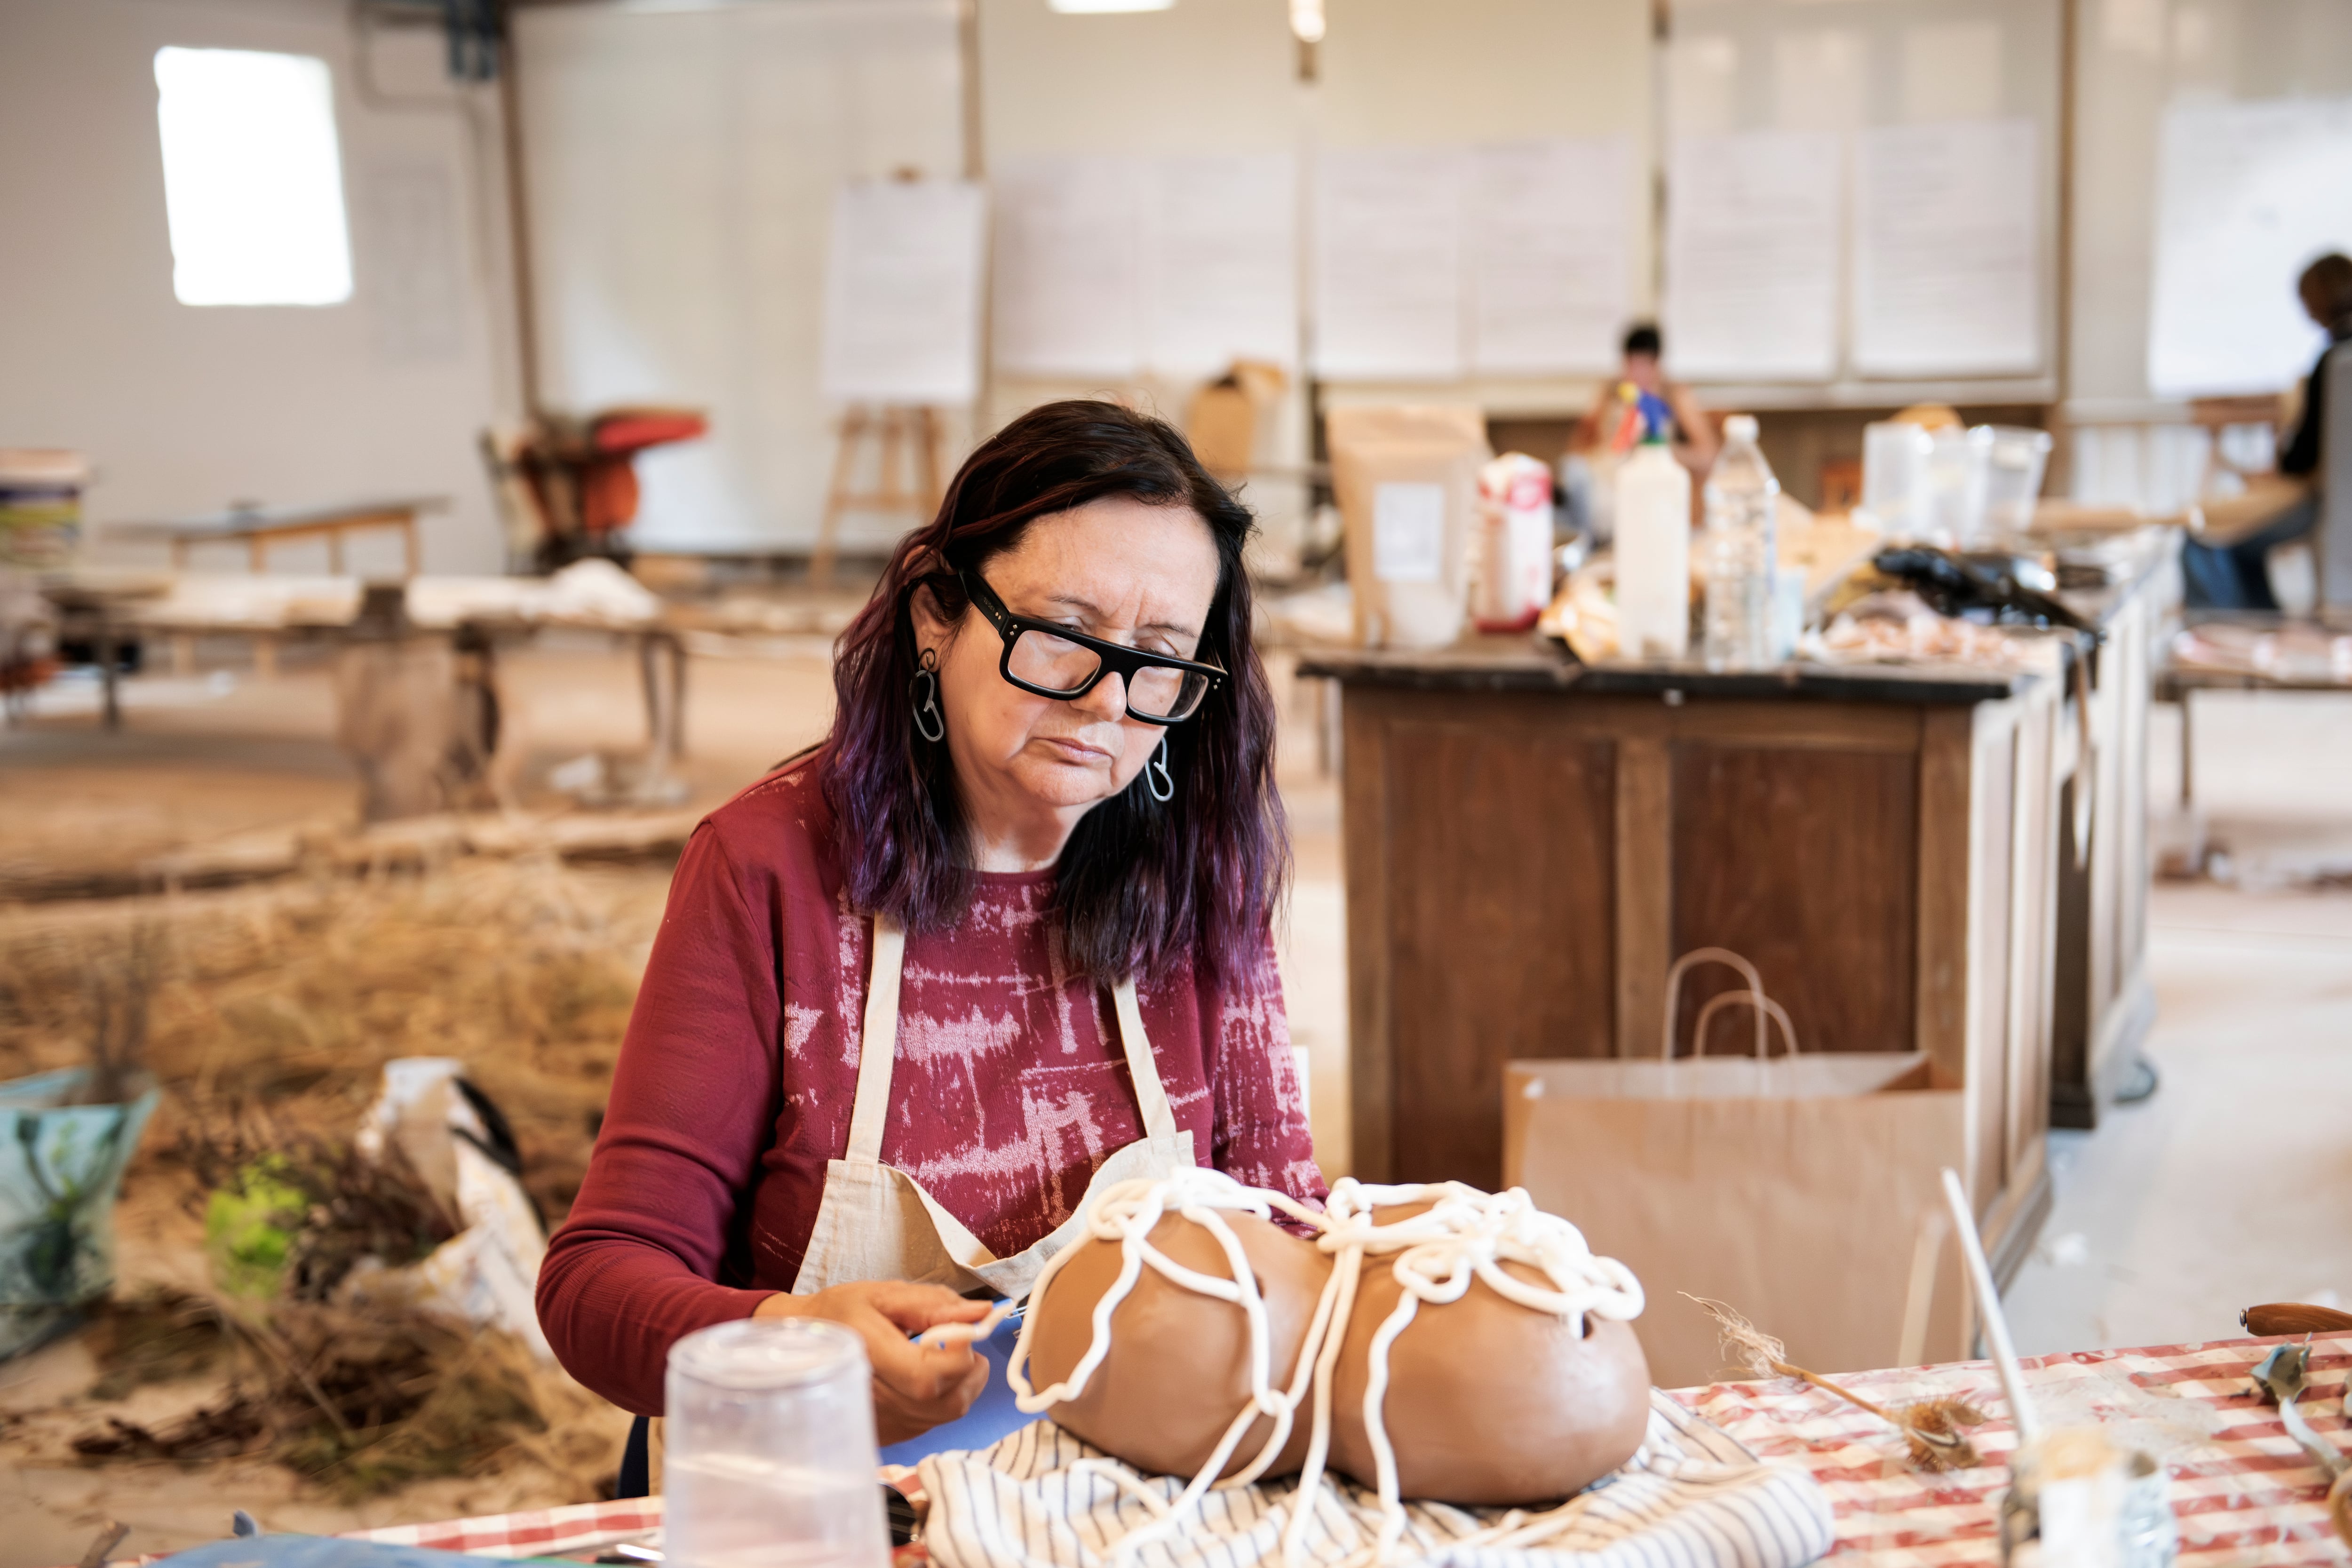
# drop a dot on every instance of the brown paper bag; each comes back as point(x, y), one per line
point(1802, 1190)
point(1407, 483)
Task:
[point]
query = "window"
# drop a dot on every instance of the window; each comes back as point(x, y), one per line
point(253, 182)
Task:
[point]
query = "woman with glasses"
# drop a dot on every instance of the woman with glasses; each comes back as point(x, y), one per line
point(1004, 935)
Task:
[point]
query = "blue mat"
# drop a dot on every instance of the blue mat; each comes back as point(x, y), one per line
point(992, 1416)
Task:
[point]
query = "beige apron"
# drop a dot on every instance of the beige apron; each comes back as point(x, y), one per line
point(876, 1223)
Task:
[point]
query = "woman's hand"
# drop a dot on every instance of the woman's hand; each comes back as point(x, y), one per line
point(916, 1387)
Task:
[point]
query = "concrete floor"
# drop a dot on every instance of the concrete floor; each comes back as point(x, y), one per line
point(2230, 1186)
point(2227, 1188)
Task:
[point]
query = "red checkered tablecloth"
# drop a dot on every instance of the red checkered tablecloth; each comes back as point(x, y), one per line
point(535, 1533)
point(2242, 1490)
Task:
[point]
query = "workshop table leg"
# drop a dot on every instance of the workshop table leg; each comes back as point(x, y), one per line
point(665, 699)
point(2188, 753)
point(109, 677)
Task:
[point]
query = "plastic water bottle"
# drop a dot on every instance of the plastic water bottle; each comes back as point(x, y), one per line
point(1653, 552)
point(1740, 553)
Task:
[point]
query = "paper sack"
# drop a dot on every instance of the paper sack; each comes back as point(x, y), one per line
point(1802, 1190)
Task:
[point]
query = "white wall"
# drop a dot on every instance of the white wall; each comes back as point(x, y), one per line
point(186, 408)
point(1220, 75)
point(681, 166)
point(2133, 57)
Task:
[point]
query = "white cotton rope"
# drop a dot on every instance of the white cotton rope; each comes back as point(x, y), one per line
point(1465, 1235)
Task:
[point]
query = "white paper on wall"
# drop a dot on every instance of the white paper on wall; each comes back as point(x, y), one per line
point(1219, 246)
point(1067, 279)
point(1407, 531)
point(1388, 265)
point(410, 274)
point(902, 293)
point(1547, 247)
point(1752, 224)
point(1947, 250)
point(2247, 193)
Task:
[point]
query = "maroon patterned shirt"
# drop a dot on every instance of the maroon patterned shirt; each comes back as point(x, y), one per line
point(735, 1084)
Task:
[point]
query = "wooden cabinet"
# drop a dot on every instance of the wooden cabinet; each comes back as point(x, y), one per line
point(2105, 1001)
point(1530, 843)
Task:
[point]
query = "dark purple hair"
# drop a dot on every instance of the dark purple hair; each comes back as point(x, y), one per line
point(1139, 886)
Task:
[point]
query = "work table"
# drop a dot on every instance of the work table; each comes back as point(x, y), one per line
point(1530, 842)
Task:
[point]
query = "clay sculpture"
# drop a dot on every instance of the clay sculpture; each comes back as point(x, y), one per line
point(1432, 1341)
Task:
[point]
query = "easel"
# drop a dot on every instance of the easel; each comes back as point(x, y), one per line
point(908, 439)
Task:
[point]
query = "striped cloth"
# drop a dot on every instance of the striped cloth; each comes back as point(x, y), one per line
point(2241, 1490)
point(1690, 1495)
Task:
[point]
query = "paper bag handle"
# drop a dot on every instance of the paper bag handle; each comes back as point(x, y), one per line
point(1722, 955)
point(1722, 999)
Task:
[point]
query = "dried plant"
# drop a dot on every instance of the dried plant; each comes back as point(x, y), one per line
point(360, 1398)
point(118, 980)
point(1932, 1429)
point(341, 1208)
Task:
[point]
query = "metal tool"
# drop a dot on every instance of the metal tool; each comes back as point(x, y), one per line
point(2283, 1374)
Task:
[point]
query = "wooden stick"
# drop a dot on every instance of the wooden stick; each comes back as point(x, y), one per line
point(1996, 1324)
point(2293, 1318)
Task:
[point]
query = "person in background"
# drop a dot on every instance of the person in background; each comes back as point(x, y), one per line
point(1695, 437)
point(2237, 576)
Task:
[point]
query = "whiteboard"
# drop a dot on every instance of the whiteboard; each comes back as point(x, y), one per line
point(1550, 270)
point(1752, 230)
point(1388, 264)
point(902, 293)
point(1945, 249)
point(1220, 261)
point(1067, 277)
point(2248, 194)
point(1112, 267)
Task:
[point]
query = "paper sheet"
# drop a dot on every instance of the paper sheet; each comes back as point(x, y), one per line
point(902, 293)
point(1752, 223)
point(1947, 274)
point(2247, 195)
point(1388, 265)
point(1067, 276)
point(1220, 262)
point(1548, 253)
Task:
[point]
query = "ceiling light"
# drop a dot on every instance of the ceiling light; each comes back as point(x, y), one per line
point(1307, 20)
point(1101, 7)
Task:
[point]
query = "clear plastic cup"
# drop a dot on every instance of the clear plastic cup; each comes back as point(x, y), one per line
point(1894, 477)
point(1958, 463)
point(769, 1456)
point(2013, 478)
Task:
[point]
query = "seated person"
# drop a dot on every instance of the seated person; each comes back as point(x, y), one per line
point(2236, 576)
point(1695, 437)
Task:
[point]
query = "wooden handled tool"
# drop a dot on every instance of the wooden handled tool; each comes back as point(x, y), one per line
point(2293, 1318)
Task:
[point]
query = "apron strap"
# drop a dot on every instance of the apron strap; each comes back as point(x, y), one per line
point(879, 1042)
point(1150, 1095)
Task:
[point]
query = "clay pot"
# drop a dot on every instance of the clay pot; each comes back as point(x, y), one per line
point(1489, 1403)
point(1178, 1369)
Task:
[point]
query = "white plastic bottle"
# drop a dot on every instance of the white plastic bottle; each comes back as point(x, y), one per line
point(1741, 553)
point(1653, 553)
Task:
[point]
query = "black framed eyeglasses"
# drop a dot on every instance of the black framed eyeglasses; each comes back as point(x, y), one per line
point(1052, 660)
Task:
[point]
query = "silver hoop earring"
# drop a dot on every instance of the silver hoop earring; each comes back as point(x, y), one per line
point(930, 722)
point(1156, 776)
